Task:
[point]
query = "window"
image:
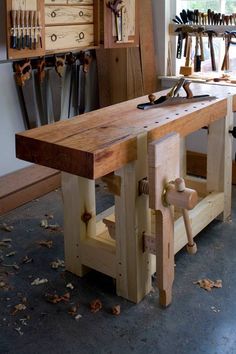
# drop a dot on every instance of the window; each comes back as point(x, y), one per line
point(224, 7)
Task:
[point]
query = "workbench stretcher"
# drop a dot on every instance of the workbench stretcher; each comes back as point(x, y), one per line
point(124, 145)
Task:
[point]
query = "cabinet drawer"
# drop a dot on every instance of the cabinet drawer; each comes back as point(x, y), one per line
point(69, 2)
point(67, 37)
point(55, 2)
point(80, 2)
point(56, 15)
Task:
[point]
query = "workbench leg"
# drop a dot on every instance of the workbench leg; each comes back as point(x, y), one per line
point(132, 215)
point(183, 161)
point(219, 158)
point(79, 218)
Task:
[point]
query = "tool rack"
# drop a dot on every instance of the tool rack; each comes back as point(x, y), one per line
point(125, 146)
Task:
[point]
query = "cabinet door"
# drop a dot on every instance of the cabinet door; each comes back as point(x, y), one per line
point(121, 30)
point(57, 15)
point(58, 38)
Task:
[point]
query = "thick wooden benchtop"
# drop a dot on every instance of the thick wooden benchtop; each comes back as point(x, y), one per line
point(99, 142)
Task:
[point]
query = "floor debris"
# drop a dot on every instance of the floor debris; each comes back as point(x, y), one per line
point(55, 298)
point(116, 310)
point(95, 305)
point(7, 228)
point(45, 243)
point(57, 263)
point(17, 308)
point(39, 281)
point(208, 284)
point(70, 286)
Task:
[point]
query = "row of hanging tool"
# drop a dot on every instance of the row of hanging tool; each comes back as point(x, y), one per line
point(55, 87)
point(196, 17)
point(185, 33)
point(25, 30)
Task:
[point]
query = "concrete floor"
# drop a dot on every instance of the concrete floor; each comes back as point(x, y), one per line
point(197, 321)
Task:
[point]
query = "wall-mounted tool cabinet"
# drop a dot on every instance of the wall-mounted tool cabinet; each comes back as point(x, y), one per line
point(39, 27)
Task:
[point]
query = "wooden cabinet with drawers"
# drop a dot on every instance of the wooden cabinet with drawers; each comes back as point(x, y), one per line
point(71, 25)
point(57, 26)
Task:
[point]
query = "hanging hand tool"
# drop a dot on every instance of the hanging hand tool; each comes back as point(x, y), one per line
point(114, 6)
point(197, 56)
point(71, 64)
point(41, 90)
point(27, 28)
point(13, 24)
point(26, 90)
point(35, 30)
point(187, 69)
point(172, 99)
point(210, 34)
point(55, 82)
point(39, 24)
point(179, 42)
point(18, 30)
point(31, 20)
point(22, 18)
point(228, 40)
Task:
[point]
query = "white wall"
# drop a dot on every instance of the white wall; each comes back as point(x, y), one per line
point(11, 121)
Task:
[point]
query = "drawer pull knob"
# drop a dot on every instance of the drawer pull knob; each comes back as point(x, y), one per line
point(53, 14)
point(81, 35)
point(53, 37)
point(81, 14)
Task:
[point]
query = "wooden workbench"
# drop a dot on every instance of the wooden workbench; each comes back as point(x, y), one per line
point(114, 141)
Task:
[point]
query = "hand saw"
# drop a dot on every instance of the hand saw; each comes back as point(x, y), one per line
point(26, 89)
point(172, 97)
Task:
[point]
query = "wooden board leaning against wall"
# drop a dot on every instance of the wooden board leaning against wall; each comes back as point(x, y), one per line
point(129, 72)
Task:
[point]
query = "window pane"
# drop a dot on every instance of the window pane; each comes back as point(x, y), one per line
point(230, 6)
point(201, 5)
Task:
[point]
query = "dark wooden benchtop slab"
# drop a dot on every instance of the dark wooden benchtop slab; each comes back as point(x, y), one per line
point(99, 142)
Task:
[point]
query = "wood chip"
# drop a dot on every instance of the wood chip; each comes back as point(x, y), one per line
point(11, 254)
point(7, 228)
point(44, 223)
point(116, 310)
point(58, 263)
point(72, 310)
point(95, 305)
point(26, 260)
point(39, 281)
point(78, 317)
point(208, 284)
point(45, 243)
point(55, 298)
point(18, 307)
point(70, 286)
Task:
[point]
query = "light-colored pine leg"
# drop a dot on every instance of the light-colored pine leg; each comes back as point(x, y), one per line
point(165, 255)
point(163, 156)
point(132, 215)
point(183, 163)
point(219, 158)
point(79, 218)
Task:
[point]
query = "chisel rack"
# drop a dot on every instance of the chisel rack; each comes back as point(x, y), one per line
point(25, 29)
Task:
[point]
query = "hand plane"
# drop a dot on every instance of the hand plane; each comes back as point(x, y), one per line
point(172, 97)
